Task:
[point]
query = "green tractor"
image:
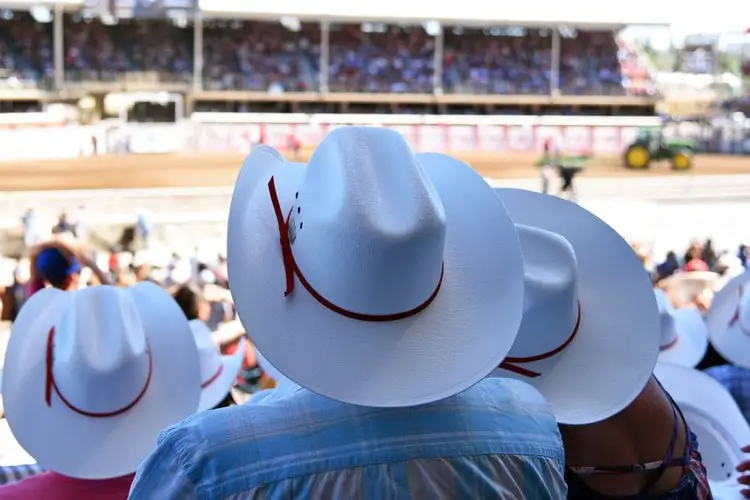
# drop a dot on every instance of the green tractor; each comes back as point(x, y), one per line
point(651, 145)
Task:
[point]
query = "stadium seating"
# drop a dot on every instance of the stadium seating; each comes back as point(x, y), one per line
point(260, 56)
point(263, 56)
point(26, 59)
point(94, 51)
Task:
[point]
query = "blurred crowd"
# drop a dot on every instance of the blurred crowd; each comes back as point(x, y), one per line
point(530, 356)
point(261, 56)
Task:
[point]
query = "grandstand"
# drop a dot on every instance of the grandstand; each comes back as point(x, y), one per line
point(219, 59)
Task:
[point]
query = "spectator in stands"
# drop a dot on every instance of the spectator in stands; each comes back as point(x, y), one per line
point(667, 268)
point(328, 446)
point(18, 292)
point(725, 362)
point(95, 51)
point(371, 57)
point(708, 254)
point(25, 50)
point(58, 264)
point(63, 226)
point(96, 423)
point(694, 261)
point(383, 59)
point(503, 61)
point(589, 64)
point(260, 56)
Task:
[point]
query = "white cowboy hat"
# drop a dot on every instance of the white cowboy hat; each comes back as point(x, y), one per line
point(728, 321)
point(714, 417)
point(267, 367)
point(373, 261)
point(218, 372)
point(589, 337)
point(90, 376)
point(684, 287)
point(684, 336)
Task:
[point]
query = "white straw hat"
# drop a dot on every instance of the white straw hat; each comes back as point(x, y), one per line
point(714, 417)
point(589, 338)
point(372, 261)
point(684, 336)
point(218, 372)
point(92, 377)
point(728, 321)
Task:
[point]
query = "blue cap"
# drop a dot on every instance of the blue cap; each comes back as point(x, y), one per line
point(54, 266)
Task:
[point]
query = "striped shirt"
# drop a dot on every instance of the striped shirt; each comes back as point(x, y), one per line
point(496, 440)
point(14, 473)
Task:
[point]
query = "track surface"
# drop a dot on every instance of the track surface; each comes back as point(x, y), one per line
point(150, 171)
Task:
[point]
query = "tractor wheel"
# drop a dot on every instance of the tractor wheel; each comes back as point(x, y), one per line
point(682, 160)
point(637, 157)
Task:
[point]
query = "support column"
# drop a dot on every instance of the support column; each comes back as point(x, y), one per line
point(197, 52)
point(437, 75)
point(325, 55)
point(555, 67)
point(58, 47)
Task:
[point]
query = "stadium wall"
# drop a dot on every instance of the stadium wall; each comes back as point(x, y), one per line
point(219, 133)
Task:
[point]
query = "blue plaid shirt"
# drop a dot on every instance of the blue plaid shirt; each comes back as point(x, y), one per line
point(496, 440)
point(736, 380)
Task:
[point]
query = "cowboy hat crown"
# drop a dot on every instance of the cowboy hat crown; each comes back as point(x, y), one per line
point(98, 343)
point(588, 338)
point(382, 222)
point(89, 377)
point(551, 301)
point(378, 251)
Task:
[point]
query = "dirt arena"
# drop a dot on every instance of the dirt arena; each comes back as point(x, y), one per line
point(151, 171)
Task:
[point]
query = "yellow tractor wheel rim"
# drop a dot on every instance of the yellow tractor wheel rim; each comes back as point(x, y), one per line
point(638, 157)
point(681, 161)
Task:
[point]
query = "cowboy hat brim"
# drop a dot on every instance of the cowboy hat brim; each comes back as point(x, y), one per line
point(712, 414)
point(726, 490)
point(216, 390)
point(692, 339)
point(74, 445)
point(609, 361)
point(729, 340)
point(443, 350)
point(266, 366)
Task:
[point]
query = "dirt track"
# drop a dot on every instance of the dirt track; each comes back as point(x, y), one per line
point(123, 172)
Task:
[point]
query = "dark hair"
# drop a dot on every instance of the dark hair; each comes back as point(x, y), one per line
point(189, 297)
point(59, 282)
point(710, 359)
point(226, 402)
